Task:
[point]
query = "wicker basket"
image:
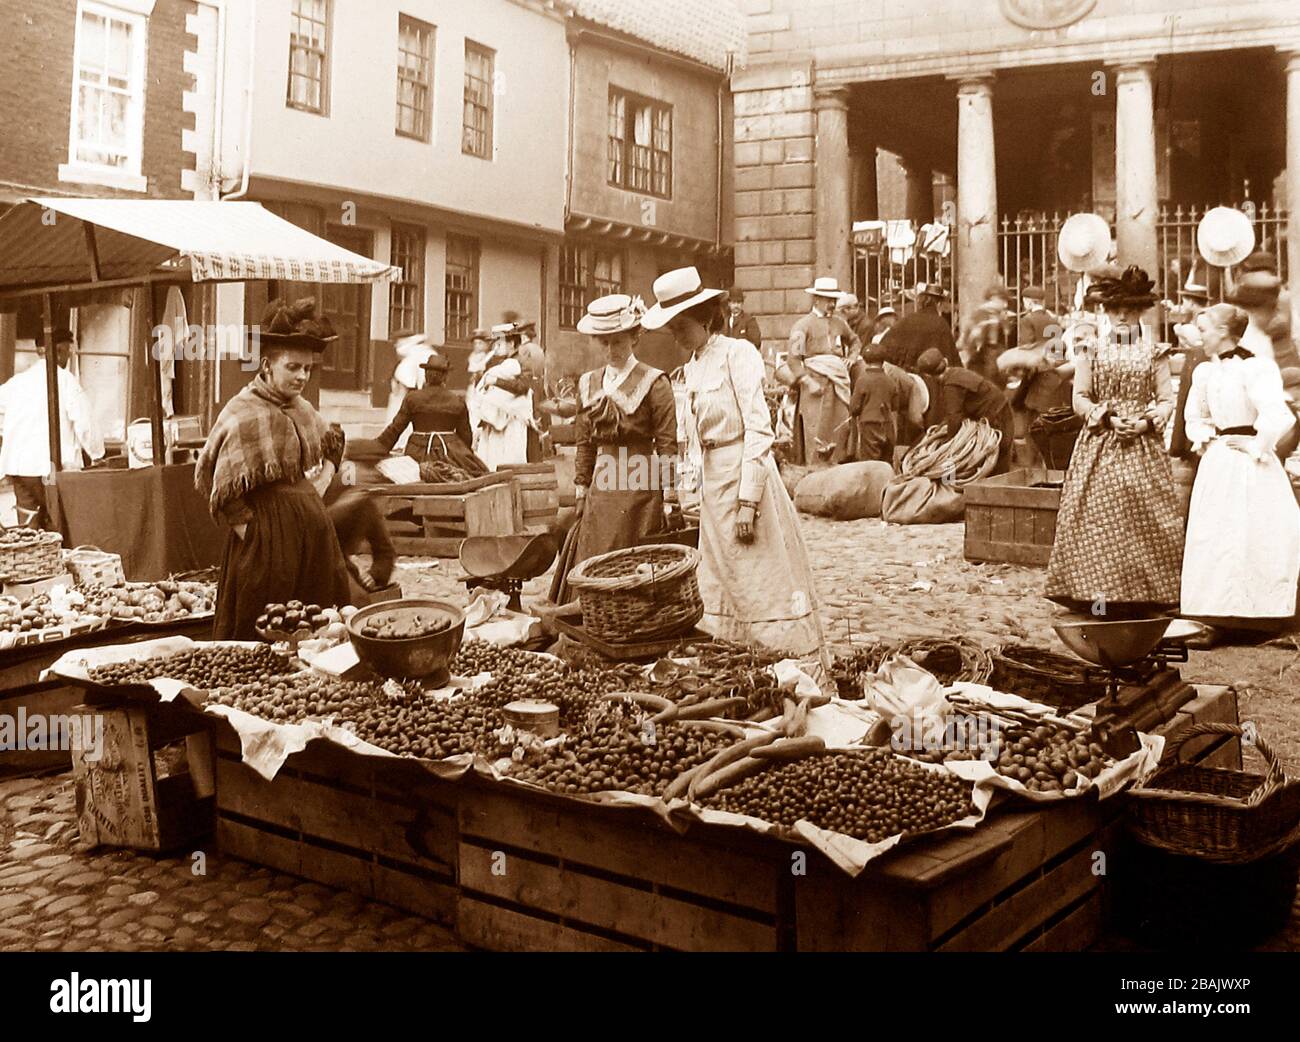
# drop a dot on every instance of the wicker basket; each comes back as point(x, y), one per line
point(33, 560)
point(1043, 676)
point(91, 566)
point(639, 594)
point(1218, 815)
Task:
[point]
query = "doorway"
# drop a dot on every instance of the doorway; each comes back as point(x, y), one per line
point(346, 366)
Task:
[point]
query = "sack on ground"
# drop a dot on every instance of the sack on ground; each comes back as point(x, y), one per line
point(845, 493)
point(922, 501)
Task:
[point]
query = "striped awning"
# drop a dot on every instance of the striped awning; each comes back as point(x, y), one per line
point(47, 241)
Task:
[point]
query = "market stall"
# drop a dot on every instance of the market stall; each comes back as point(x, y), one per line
point(717, 798)
point(67, 248)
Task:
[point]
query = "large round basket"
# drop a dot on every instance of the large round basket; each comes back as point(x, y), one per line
point(639, 594)
point(1218, 815)
point(1044, 676)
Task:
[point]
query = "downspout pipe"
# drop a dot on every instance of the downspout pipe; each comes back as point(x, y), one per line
point(248, 108)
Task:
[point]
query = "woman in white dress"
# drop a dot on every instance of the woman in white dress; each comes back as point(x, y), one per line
point(503, 403)
point(754, 576)
point(1242, 554)
point(479, 352)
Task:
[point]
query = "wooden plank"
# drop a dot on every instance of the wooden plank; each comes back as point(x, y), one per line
point(1031, 905)
point(1045, 528)
point(569, 892)
point(1075, 932)
point(363, 823)
point(1012, 553)
point(319, 864)
point(930, 863)
point(415, 894)
point(490, 512)
point(635, 846)
point(423, 546)
point(977, 525)
point(1002, 527)
point(448, 488)
point(501, 929)
point(867, 914)
point(441, 506)
point(1036, 837)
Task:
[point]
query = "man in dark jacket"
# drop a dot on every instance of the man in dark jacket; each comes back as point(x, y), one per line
point(740, 323)
point(923, 329)
point(965, 395)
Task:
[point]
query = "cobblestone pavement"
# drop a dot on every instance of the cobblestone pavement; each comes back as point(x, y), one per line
point(876, 582)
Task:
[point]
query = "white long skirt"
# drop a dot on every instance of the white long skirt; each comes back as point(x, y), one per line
point(1242, 554)
point(760, 593)
point(499, 447)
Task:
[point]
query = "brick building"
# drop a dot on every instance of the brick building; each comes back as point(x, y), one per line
point(102, 98)
point(996, 119)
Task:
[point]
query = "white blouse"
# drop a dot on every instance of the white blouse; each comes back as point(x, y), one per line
point(1237, 392)
point(724, 384)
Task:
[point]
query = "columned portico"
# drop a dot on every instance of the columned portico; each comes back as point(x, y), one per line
point(834, 184)
point(977, 192)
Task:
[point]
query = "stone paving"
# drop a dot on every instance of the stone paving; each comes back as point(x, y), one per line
point(876, 582)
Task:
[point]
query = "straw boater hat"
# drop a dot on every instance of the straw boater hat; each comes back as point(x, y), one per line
point(615, 313)
point(676, 291)
point(849, 300)
point(825, 287)
point(1084, 242)
point(886, 310)
point(1225, 237)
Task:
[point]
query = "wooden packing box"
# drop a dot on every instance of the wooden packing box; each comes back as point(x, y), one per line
point(537, 495)
point(432, 520)
point(1009, 519)
point(381, 827)
point(124, 799)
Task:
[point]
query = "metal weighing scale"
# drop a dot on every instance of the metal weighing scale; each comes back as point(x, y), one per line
point(1134, 661)
point(506, 562)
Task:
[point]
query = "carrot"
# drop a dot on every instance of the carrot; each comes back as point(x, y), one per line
point(729, 775)
point(766, 713)
point(792, 749)
point(727, 755)
point(681, 783)
point(713, 707)
point(714, 725)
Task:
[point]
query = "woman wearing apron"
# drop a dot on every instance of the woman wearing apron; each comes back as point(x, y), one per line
point(439, 422)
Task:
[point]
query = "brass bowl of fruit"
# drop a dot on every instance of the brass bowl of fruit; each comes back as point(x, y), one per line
point(411, 637)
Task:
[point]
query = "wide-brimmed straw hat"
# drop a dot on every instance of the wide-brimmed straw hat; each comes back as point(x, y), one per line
point(1225, 237)
point(1084, 242)
point(826, 286)
point(615, 313)
point(676, 291)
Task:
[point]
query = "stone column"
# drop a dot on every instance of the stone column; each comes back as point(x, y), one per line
point(1137, 200)
point(834, 185)
point(977, 193)
point(1293, 185)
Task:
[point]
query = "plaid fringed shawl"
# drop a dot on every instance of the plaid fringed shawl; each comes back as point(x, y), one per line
point(260, 437)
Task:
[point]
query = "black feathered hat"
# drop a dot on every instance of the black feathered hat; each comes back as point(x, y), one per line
point(295, 324)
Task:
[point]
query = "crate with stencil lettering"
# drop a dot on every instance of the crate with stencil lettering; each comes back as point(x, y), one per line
point(144, 778)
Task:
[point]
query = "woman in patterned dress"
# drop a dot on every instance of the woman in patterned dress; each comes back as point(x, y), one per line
point(754, 575)
point(1119, 533)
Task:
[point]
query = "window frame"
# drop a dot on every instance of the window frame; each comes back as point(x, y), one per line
point(405, 22)
point(453, 331)
point(489, 109)
point(323, 108)
point(621, 148)
point(129, 176)
point(591, 287)
point(398, 308)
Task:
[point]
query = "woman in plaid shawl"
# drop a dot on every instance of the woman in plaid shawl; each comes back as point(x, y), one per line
point(254, 470)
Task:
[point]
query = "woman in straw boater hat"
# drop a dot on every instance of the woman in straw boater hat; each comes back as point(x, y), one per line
point(254, 469)
point(1119, 531)
point(503, 400)
point(1242, 554)
point(626, 437)
point(754, 574)
point(439, 423)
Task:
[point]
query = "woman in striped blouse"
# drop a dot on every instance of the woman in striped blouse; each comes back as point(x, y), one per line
point(754, 575)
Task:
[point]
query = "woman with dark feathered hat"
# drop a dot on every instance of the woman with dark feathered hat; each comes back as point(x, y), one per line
point(1119, 532)
point(254, 471)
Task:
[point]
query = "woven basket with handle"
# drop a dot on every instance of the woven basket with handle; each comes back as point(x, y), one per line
point(91, 566)
point(37, 557)
point(1225, 816)
point(639, 594)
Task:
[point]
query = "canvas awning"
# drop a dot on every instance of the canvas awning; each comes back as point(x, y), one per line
point(51, 241)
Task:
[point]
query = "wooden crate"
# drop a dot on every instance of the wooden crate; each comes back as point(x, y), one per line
point(440, 516)
point(384, 828)
point(1009, 519)
point(541, 873)
point(537, 500)
point(122, 798)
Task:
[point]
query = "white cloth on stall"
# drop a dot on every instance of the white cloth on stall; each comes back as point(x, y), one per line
point(935, 238)
point(26, 449)
point(1242, 553)
point(900, 238)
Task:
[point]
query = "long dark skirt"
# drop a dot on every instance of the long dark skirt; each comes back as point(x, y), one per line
point(289, 552)
point(445, 447)
point(612, 519)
